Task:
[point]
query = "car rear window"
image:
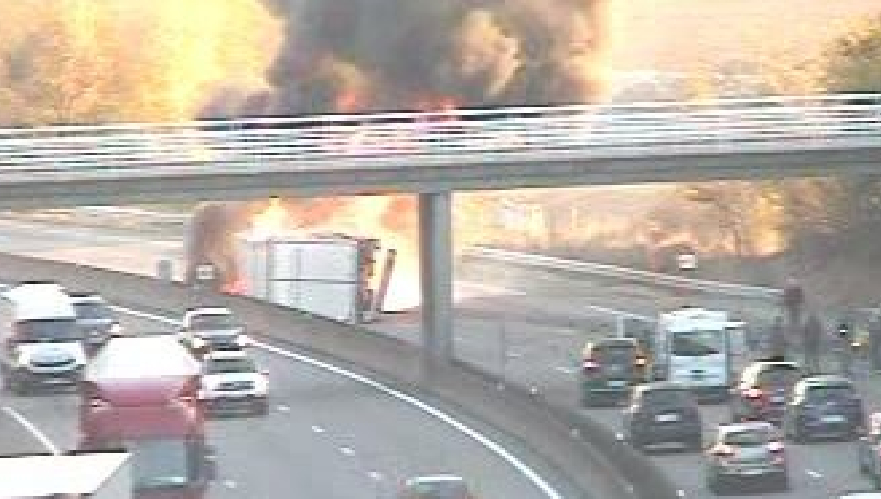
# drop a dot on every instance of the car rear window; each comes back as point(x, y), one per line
point(666, 398)
point(614, 352)
point(778, 376)
point(747, 438)
point(830, 392)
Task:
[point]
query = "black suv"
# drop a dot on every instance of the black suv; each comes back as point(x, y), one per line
point(609, 367)
point(763, 391)
point(663, 412)
point(824, 406)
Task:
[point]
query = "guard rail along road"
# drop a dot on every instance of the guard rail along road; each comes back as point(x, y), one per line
point(623, 273)
point(455, 138)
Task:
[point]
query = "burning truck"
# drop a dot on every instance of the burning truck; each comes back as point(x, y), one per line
point(253, 252)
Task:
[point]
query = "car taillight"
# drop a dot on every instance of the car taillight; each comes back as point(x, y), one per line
point(590, 365)
point(776, 447)
point(752, 393)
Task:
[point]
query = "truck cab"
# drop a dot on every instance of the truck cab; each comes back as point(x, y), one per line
point(139, 394)
point(204, 329)
point(40, 342)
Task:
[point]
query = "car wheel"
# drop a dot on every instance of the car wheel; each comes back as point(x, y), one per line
point(261, 408)
point(588, 399)
point(782, 483)
point(696, 444)
point(714, 484)
point(798, 436)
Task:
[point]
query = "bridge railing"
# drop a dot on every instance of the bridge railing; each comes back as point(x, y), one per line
point(487, 135)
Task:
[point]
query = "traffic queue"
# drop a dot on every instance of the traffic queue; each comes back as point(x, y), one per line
point(147, 393)
point(698, 356)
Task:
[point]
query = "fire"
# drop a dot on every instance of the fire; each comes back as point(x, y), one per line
point(390, 219)
point(271, 220)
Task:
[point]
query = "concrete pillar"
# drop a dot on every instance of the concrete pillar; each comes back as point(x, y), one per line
point(436, 265)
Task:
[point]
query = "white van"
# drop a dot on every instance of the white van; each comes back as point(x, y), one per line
point(700, 349)
point(41, 340)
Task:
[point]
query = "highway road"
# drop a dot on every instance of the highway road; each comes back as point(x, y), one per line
point(537, 345)
point(326, 436)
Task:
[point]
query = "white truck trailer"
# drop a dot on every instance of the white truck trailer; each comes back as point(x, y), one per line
point(330, 275)
point(96, 475)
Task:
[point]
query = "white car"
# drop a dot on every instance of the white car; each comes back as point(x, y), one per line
point(232, 382)
point(209, 328)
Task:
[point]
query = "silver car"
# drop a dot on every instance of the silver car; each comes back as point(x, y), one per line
point(743, 454)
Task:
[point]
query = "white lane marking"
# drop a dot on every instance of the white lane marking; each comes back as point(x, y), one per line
point(376, 476)
point(283, 408)
point(471, 289)
point(348, 451)
point(680, 493)
point(565, 370)
point(230, 484)
point(814, 474)
point(317, 429)
point(33, 430)
point(524, 469)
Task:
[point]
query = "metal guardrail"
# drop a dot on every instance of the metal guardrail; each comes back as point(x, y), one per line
point(599, 269)
point(454, 138)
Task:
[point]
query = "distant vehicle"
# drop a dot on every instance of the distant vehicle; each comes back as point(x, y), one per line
point(209, 328)
point(764, 389)
point(231, 381)
point(868, 494)
point(699, 349)
point(824, 406)
point(139, 394)
point(42, 345)
point(661, 413)
point(609, 368)
point(746, 452)
point(869, 450)
point(686, 261)
point(95, 317)
point(436, 487)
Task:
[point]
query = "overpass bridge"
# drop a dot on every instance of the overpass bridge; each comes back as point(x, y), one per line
point(434, 154)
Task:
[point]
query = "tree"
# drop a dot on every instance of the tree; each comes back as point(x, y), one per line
point(853, 61)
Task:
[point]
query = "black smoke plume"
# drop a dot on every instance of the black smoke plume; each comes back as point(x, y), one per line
point(362, 55)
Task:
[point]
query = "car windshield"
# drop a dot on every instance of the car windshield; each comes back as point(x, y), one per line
point(226, 366)
point(160, 464)
point(92, 311)
point(667, 398)
point(747, 438)
point(697, 343)
point(48, 330)
point(212, 321)
point(830, 392)
point(778, 376)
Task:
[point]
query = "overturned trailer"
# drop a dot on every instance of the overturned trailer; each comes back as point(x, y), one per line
point(333, 275)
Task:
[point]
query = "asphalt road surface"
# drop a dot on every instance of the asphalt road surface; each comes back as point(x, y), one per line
point(326, 436)
point(528, 324)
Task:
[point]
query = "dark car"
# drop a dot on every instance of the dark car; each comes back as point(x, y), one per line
point(609, 368)
point(824, 406)
point(663, 412)
point(763, 390)
point(95, 318)
point(436, 487)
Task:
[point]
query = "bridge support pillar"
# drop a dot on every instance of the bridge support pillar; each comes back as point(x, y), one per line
point(436, 272)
